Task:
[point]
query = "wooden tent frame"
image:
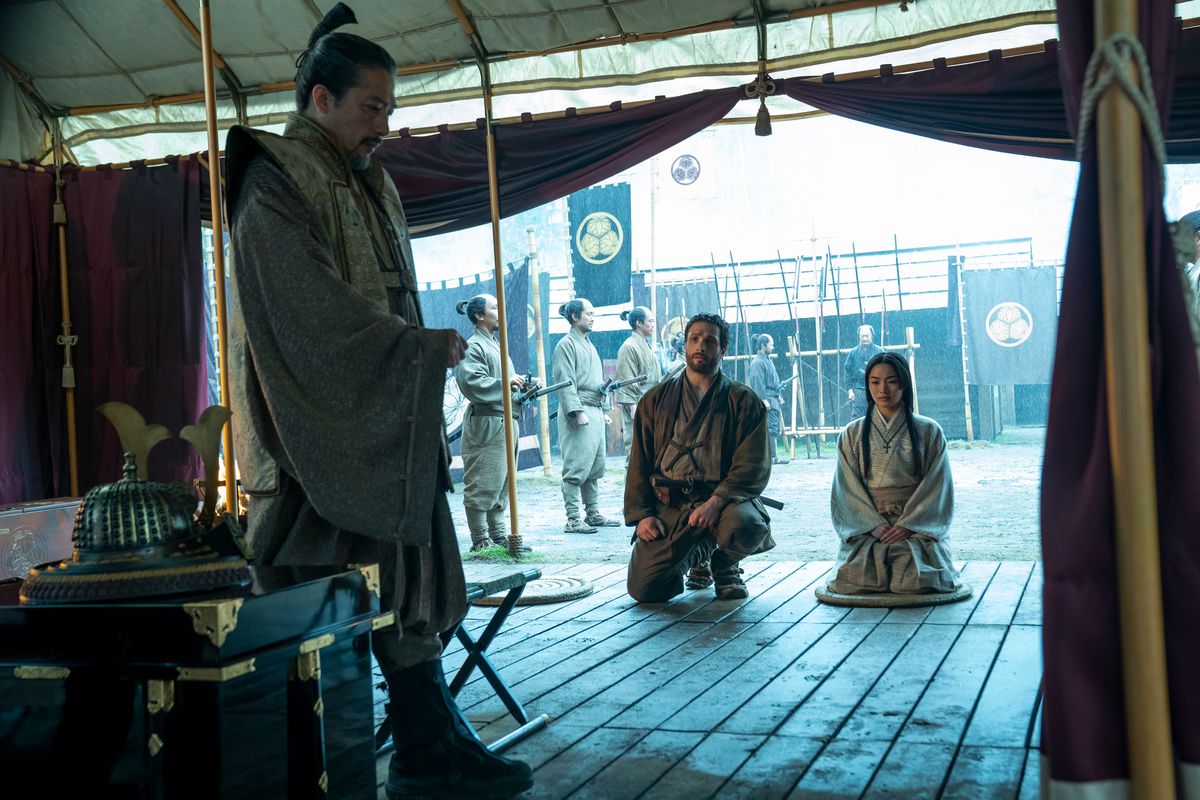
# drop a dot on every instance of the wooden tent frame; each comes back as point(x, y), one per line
point(1130, 422)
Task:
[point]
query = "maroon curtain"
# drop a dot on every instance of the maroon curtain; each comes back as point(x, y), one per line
point(137, 299)
point(1012, 105)
point(28, 279)
point(1083, 733)
point(443, 178)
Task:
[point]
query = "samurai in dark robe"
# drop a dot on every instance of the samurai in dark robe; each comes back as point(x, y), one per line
point(337, 391)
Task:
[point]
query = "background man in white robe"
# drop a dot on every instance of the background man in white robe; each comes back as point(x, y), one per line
point(582, 418)
point(636, 357)
point(485, 464)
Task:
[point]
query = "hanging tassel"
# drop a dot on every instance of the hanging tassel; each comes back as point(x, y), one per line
point(762, 123)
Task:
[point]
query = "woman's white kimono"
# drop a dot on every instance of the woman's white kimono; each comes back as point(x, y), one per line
point(893, 492)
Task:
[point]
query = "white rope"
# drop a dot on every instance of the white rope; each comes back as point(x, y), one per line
point(1106, 66)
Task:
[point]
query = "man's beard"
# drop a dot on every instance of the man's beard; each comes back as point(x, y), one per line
point(706, 366)
point(359, 163)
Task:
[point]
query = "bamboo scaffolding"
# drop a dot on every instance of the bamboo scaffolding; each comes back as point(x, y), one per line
point(1131, 424)
point(535, 291)
point(214, 189)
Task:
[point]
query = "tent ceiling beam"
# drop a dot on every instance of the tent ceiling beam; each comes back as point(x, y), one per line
point(270, 119)
point(462, 16)
point(26, 83)
point(236, 91)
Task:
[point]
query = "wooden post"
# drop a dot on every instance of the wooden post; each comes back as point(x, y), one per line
point(67, 339)
point(911, 354)
point(962, 326)
point(510, 445)
point(215, 204)
point(535, 287)
point(653, 252)
point(1131, 424)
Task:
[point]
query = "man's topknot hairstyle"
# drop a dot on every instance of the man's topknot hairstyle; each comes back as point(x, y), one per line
point(711, 319)
point(333, 59)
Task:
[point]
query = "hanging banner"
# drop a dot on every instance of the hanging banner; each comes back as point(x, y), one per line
point(1011, 317)
point(675, 303)
point(601, 243)
point(437, 307)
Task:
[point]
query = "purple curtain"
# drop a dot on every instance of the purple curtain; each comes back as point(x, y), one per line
point(28, 281)
point(1083, 734)
point(1012, 105)
point(137, 298)
point(443, 178)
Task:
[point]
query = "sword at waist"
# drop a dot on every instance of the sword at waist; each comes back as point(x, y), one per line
point(536, 391)
point(612, 386)
point(697, 489)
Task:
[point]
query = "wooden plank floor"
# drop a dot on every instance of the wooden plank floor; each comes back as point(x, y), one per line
point(774, 696)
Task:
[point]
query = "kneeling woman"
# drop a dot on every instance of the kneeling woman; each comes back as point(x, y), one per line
point(892, 493)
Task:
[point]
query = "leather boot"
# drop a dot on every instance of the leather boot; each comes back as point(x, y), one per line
point(477, 523)
point(437, 753)
point(727, 577)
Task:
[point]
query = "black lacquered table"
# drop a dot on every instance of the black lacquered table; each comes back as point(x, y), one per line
point(263, 694)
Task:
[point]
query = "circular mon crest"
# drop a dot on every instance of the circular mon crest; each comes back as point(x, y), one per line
point(685, 169)
point(1009, 324)
point(599, 237)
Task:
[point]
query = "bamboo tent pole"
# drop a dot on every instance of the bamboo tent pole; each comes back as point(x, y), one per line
point(1131, 423)
point(66, 338)
point(535, 291)
point(510, 442)
point(214, 193)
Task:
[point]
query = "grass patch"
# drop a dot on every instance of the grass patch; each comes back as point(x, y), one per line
point(500, 555)
point(963, 444)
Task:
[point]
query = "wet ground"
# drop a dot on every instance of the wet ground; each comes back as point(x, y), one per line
point(995, 506)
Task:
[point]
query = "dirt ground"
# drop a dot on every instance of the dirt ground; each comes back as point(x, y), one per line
point(995, 506)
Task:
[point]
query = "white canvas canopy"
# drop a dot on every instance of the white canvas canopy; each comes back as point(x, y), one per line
point(127, 73)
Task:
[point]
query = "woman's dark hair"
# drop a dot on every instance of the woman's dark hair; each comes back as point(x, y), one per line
point(571, 310)
point(333, 59)
point(473, 308)
point(906, 398)
point(635, 316)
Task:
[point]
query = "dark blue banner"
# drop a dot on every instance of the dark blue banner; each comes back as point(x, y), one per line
point(1011, 318)
point(601, 243)
point(676, 303)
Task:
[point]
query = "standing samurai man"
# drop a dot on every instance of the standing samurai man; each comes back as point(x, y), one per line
point(698, 465)
point(635, 358)
point(336, 393)
point(581, 419)
point(854, 371)
point(485, 463)
point(764, 380)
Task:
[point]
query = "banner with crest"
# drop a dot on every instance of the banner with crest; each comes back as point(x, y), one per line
point(601, 243)
point(1011, 317)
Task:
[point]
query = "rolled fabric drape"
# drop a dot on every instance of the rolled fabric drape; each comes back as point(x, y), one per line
point(1083, 733)
point(1011, 105)
point(28, 323)
point(137, 298)
point(443, 178)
